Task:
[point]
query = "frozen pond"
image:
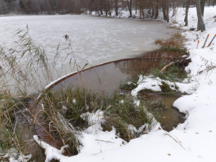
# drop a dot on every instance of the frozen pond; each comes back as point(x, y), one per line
point(95, 39)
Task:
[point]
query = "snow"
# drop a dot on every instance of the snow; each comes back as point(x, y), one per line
point(102, 142)
point(152, 83)
point(51, 152)
point(12, 155)
point(93, 118)
point(194, 140)
point(140, 130)
point(74, 101)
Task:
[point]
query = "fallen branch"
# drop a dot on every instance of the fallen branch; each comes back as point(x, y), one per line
point(165, 67)
point(103, 141)
point(178, 62)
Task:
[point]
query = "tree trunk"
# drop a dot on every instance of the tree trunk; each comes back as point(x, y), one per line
point(136, 8)
point(200, 25)
point(167, 10)
point(202, 3)
point(129, 4)
point(174, 8)
point(156, 14)
point(186, 13)
point(164, 12)
point(116, 7)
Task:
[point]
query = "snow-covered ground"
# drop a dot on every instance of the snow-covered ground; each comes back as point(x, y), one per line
point(194, 140)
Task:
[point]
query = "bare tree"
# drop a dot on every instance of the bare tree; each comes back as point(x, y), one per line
point(116, 7)
point(3, 7)
point(186, 12)
point(129, 4)
point(200, 25)
point(165, 9)
point(202, 4)
point(156, 9)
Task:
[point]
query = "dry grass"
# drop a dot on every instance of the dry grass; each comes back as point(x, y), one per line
point(177, 36)
point(159, 41)
point(25, 68)
point(59, 125)
point(117, 114)
point(64, 126)
point(174, 27)
point(174, 43)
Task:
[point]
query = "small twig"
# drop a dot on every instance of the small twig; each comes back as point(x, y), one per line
point(103, 141)
point(166, 133)
point(98, 153)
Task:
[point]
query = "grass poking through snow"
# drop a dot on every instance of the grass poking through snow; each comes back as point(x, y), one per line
point(120, 112)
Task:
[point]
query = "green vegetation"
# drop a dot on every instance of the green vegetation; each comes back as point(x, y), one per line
point(119, 111)
point(172, 73)
point(165, 87)
point(15, 95)
point(11, 132)
point(129, 85)
point(61, 110)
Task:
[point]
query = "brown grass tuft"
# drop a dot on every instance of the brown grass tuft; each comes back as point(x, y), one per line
point(177, 35)
point(174, 43)
point(159, 41)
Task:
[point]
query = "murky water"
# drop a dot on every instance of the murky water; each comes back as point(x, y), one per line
point(95, 40)
point(170, 117)
point(106, 78)
point(28, 123)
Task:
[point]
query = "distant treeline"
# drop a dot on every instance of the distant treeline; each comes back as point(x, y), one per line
point(145, 8)
point(100, 6)
point(40, 6)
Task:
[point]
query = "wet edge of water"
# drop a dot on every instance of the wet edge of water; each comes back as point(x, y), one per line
point(144, 56)
point(148, 55)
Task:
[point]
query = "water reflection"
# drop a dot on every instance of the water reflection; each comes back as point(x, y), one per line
point(106, 78)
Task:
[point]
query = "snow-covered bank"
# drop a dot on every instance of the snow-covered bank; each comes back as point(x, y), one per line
point(194, 140)
point(152, 83)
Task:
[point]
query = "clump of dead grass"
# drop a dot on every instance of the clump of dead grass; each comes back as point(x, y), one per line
point(174, 43)
point(63, 108)
point(24, 70)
